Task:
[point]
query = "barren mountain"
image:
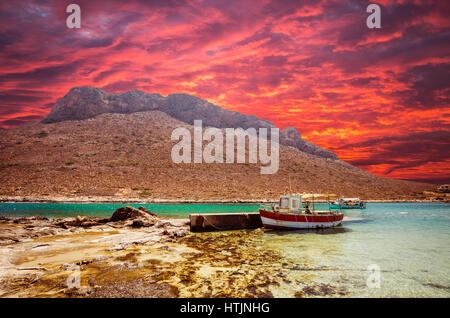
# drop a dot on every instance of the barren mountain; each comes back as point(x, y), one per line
point(128, 156)
point(88, 102)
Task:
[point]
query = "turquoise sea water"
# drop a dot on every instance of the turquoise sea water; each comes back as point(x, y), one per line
point(408, 242)
point(55, 210)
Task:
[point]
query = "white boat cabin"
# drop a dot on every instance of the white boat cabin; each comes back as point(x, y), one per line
point(290, 203)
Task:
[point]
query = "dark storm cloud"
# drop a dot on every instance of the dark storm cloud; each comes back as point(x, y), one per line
point(407, 49)
point(418, 148)
point(47, 74)
point(278, 9)
point(362, 81)
point(20, 120)
point(429, 86)
point(19, 98)
point(440, 136)
point(9, 37)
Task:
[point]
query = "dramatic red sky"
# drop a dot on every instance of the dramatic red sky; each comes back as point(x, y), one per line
point(378, 98)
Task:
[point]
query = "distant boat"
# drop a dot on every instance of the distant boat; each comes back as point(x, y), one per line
point(445, 188)
point(288, 215)
point(348, 203)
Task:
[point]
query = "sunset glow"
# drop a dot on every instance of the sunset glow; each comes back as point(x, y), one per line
point(378, 98)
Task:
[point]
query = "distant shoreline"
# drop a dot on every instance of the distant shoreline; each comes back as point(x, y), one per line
point(168, 201)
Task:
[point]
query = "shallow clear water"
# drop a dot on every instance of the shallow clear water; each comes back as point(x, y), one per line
point(408, 242)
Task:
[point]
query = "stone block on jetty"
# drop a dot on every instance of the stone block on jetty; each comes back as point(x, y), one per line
point(224, 221)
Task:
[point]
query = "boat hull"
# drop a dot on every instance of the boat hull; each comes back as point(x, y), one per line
point(280, 221)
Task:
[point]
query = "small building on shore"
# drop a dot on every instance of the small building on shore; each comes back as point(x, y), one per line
point(445, 188)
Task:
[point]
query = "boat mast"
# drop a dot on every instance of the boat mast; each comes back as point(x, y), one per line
point(313, 208)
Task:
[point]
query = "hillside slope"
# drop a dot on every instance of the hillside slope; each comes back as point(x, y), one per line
point(127, 156)
point(88, 102)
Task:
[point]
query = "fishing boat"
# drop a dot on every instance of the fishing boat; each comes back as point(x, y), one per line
point(348, 203)
point(289, 214)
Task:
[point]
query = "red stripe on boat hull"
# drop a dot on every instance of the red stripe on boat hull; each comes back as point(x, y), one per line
point(274, 220)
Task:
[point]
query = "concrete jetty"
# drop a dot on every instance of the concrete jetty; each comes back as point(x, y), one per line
point(224, 221)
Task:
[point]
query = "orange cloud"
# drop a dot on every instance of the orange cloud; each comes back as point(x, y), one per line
point(368, 95)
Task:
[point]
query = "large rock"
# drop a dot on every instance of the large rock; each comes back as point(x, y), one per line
point(125, 213)
point(81, 221)
point(144, 209)
point(87, 102)
point(137, 217)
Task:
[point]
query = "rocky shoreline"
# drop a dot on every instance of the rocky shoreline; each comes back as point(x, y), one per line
point(36, 253)
point(18, 229)
point(135, 253)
